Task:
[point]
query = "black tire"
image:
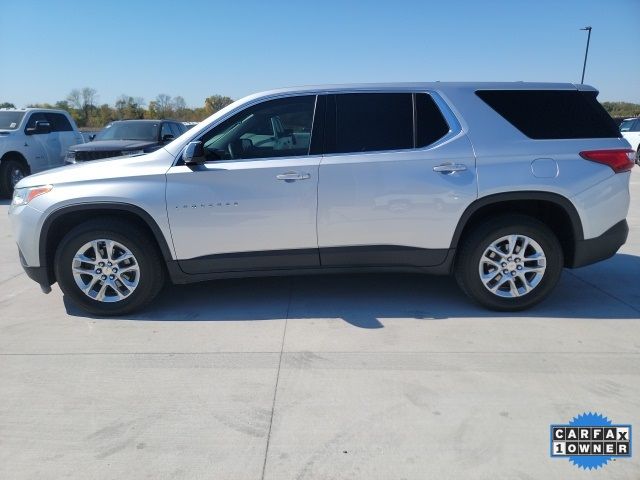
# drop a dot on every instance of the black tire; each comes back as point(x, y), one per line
point(477, 241)
point(638, 155)
point(147, 256)
point(7, 167)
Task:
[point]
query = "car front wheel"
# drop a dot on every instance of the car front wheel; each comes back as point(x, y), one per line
point(109, 267)
point(509, 263)
point(11, 172)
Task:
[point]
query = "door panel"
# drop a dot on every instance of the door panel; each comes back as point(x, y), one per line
point(36, 145)
point(55, 150)
point(393, 205)
point(253, 204)
point(237, 215)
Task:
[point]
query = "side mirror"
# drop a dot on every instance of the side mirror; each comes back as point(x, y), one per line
point(91, 137)
point(42, 126)
point(167, 138)
point(193, 154)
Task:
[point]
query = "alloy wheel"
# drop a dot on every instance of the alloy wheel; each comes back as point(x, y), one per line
point(512, 266)
point(105, 270)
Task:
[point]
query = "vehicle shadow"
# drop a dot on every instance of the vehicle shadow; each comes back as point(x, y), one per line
point(363, 300)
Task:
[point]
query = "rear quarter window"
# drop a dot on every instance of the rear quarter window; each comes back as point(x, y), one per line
point(552, 114)
point(430, 124)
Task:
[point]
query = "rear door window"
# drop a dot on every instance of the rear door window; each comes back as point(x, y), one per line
point(552, 114)
point(59, 123)
point(367, 122)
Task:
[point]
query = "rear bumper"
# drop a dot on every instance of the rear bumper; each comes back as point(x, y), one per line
point(600, 248)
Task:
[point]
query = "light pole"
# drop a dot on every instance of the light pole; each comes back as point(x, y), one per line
point(586, 52)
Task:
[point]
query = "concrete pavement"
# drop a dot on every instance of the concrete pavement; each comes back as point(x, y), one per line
point(333, 377)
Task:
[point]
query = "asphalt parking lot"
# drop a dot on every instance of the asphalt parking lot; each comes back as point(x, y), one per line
point(332, 377)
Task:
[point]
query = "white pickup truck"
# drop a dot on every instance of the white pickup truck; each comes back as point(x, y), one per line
point(32, 140)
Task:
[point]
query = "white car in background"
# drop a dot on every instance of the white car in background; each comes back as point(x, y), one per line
point(33, 140)
point(630, 129)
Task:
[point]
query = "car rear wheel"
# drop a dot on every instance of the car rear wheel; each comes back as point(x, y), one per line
point(109, 267)
point(11, 172)
point(509, 263)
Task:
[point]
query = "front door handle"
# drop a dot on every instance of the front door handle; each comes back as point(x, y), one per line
point(449, 168)
point(293, 176)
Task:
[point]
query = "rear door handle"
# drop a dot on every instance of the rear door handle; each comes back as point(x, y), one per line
point(293, 176)
point(449, 168)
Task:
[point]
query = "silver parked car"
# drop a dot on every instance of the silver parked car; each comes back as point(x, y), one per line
point(500, 184)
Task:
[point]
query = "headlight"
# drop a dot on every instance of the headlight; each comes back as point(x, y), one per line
point(71, 157)
point(22, 196)
point(129, 153)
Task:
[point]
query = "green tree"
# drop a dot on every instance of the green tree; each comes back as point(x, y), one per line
point(7, 105)
point(216, 102)
point(622, 109)
point(127, 107)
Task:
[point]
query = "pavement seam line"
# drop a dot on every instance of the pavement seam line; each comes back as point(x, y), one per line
point(604, 291)
point(275, 389)
point(328, 352)
point(11, 278)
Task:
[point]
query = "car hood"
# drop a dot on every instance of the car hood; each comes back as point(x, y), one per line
point(107, 145)
point(157, 162)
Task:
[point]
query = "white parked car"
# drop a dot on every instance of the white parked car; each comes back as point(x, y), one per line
point(630, 129)
point(32, 140)
point(500, 184)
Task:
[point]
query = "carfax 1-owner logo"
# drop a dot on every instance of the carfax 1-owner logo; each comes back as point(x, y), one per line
point(590, 441)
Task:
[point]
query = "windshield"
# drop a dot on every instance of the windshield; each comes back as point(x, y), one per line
point(625, 126)
point(130, 131)
point(10, 120)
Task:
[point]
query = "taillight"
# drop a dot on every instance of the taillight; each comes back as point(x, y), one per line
point(618, 160)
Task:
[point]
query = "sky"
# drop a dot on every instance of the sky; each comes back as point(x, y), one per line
point(199, 48)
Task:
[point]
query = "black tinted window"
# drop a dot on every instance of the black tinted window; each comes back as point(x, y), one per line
point(368, 122)
point(36, 117)
point(59, 123)
point(430, 124)
point(552, 114)
point(276, 128)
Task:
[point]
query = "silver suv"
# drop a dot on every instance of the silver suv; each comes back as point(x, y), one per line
point(500, 184)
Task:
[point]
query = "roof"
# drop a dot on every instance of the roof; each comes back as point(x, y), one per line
point(430, 86)
point(31, 109)
point(144, 120)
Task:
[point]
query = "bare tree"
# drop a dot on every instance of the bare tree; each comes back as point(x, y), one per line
point(75, 99)
point(179, 107)
point(89, 98)
point(163, 105)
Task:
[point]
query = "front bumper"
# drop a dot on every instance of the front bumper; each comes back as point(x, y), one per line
point(602, 247)
point(39, 275)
